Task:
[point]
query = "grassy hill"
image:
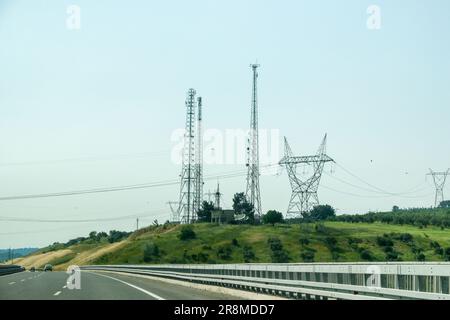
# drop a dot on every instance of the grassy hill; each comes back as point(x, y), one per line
point(331, 241)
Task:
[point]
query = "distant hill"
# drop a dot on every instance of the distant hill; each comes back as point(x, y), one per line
point(330, 241)
point(20, 252)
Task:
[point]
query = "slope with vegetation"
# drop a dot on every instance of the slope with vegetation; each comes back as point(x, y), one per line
point(314, 241)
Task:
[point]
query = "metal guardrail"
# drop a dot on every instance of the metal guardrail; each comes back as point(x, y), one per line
point(313, 281)
point(8, 269)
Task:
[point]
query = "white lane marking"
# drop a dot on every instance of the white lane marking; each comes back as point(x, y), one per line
point(64, 287)
point(133, 286)
point(57, 293)
point(30, 278)
point(23, 280)
point(12, 283)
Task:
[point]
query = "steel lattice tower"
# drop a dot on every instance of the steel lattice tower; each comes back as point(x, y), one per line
point(304, 192)
point(186, 206)
point(253, 191)
point(198, 199)
point(439, 179)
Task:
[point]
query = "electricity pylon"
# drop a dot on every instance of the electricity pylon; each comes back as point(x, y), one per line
point(252, 193)
point(439, 179)
point(175, 211)
point(304, 192)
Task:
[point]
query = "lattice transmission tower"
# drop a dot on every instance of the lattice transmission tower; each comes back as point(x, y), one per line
point(252, 193)
point(304, 191)
point(439, 179)
point(198, 198)
point(187, 204)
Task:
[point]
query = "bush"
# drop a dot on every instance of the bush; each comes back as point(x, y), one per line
point(434, 244)
point(331, 242)
point(151, 252)
point(385, 241)
point(392, 256)
point(405, 237)
point(224, 252)
point(366, 255)
point(307, 256)
point(234, 242)
point(200, 257)
point(279, 255)
point(304, 241)
point(248, 254)
point(421, 257)
point(187, 233)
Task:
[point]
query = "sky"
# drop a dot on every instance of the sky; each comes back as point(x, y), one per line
point(98, 106)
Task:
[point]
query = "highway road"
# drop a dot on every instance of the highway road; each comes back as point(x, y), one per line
point(96, 286)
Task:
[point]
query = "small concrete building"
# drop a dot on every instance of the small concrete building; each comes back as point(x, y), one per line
point(222, 216)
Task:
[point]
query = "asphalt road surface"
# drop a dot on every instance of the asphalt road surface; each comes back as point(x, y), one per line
point(96, 286)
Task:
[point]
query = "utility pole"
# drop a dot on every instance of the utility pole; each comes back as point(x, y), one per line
point(439, 179)
point(137, 224)
point(252, 193)
point(304, 192)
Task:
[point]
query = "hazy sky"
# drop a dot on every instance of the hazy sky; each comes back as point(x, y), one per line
point(96, 107)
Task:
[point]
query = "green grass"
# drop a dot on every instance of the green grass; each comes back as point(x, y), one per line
point(211, 237)
point(62, 260)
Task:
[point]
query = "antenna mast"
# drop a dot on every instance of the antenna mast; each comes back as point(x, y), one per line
point(253, 191)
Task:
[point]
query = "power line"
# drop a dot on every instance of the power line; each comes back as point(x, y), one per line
point(134, 216)
point(85, 159)
point(119, 188)
point(376, 191)
point(374, 196)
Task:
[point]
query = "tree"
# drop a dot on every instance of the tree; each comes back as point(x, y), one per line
point(272, 217)
point(116, 236)
point(93, 235)
point(444, 204)
point(395, 209)
point(204, 214)
point(322, 212)
point(101, 235)
point(242, 206)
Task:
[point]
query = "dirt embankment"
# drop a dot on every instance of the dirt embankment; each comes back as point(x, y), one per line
point(62, 259)
point(40, 259)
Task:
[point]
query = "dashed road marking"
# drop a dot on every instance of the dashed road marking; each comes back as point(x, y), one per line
point(23, 280)
point(57, 293)
point(11, 283)
point(64, 287)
